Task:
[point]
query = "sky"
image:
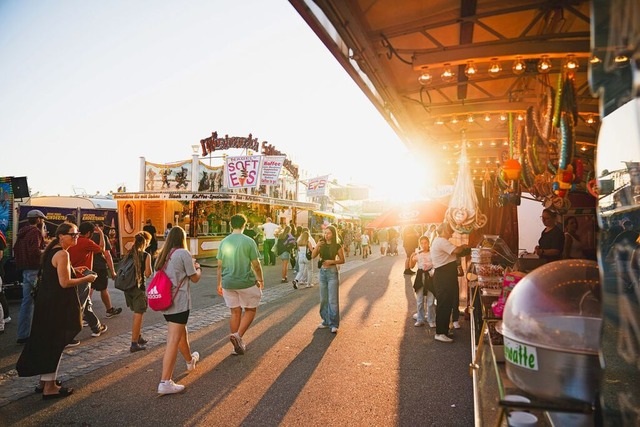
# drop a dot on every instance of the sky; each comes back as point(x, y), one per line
point(87, 88)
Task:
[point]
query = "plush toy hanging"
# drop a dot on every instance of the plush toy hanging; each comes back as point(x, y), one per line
point(463, 214)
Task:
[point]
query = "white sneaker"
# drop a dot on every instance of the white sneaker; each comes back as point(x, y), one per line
point(7, 320)
point(334, 330)
point(309, 285)
point(169, 387)
point(195, 357)
point(419, 323)
point(432, 324)
point(456, 325)
point(415, 316)
point(238, 344)
point(322, 326)
point(442, 338)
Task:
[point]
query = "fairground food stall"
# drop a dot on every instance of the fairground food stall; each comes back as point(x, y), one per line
point(200, 198)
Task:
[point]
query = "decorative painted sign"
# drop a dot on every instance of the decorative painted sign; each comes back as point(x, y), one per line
point(317, 186)
point(242, 171)
point(271, 166)
point(212, 143)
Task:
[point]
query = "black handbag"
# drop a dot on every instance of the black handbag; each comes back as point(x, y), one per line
point(308, 253)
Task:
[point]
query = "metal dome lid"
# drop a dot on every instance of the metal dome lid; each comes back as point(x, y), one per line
point(557, 306)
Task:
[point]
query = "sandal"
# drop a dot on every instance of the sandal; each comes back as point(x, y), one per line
point(39, 389)
point(63, 392)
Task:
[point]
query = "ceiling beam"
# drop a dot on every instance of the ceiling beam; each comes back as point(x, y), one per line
point(467, 8)
point(495, 107)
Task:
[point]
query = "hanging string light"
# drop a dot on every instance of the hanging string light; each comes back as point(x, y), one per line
point(494, 67)
point(518, 66)
point(425, 78)
point(471, 69)
point(448, 74)
point(571, 63)
point(544, 65)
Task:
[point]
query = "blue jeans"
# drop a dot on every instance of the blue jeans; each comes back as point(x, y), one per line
point(329, 312)
point(431, 308)
point(25, 316)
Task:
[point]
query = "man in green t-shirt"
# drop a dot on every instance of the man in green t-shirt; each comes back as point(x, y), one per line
point(240, 280)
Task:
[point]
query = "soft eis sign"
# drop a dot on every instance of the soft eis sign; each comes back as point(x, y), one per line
point(243, 171)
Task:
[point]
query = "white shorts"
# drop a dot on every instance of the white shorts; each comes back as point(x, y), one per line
point(245, 298)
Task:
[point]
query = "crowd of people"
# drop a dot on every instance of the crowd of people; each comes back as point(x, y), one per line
point(79, 259)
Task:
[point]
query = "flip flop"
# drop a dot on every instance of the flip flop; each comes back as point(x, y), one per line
point(63, 392)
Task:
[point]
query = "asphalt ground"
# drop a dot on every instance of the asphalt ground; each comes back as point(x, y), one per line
point(377, 370)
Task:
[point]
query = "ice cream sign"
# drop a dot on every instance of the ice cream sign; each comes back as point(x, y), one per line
point(242, 171)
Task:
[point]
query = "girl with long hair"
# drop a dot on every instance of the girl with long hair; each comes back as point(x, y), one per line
point(136, 297)
point(57, 315)
point(305, 243)
point(331, 255)
point(284, 247)
point(179, 266)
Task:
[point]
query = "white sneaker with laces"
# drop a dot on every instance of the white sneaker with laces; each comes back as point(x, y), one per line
point(442, 338)
point(432, 324)
point(334, 330)
point(419, 323)
point(322, 326)
point(415, 316)
point(195, 357)
point(169, 387)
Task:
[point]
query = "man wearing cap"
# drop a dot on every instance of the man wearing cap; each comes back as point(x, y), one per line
point(27, 250)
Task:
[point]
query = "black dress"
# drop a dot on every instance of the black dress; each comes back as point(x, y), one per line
point(56, 321)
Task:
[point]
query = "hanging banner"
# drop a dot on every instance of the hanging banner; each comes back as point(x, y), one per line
point(242, 171)
point(167, 177)
point(271, 166)
point(317, 186)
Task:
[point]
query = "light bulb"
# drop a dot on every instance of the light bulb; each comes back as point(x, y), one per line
point(425, 78)
point(487, 117)
point(447, 75)
point(454, 120)
point(494, 67)
point(518, 66)
point(544, 65)
point(439, 121)
point(471, 69)
point(503, 117)
point(470, 118)
point(590, 119)
point(571, 63)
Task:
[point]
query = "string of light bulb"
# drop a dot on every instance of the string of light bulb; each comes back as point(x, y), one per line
point(544, 64)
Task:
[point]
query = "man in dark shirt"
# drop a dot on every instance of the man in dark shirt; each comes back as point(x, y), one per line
point(153, 246)
point(103, 266)
point(27, 250)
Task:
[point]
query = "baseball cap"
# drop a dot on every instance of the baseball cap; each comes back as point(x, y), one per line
point(35, 213)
